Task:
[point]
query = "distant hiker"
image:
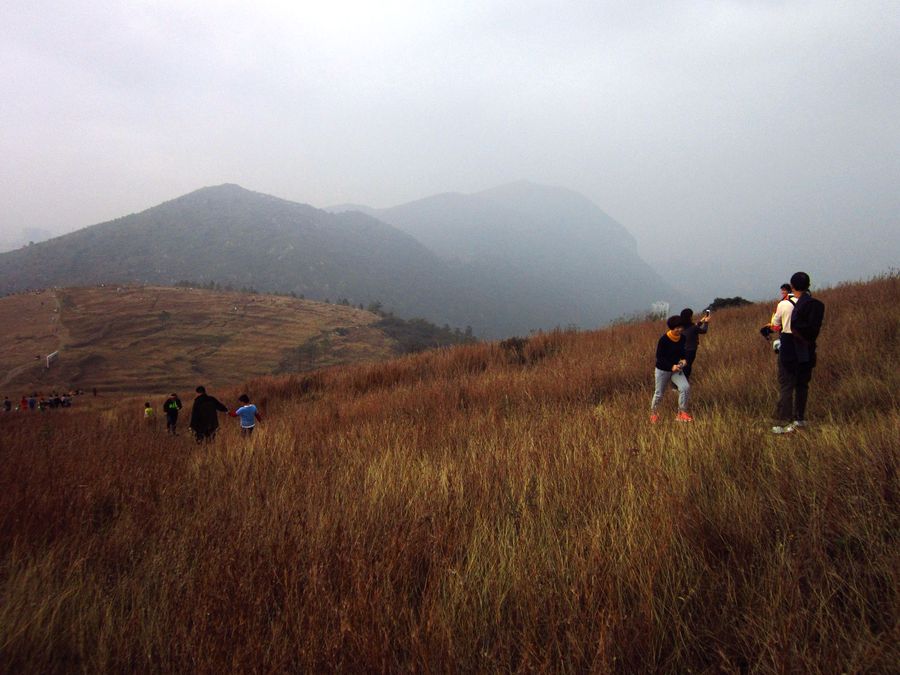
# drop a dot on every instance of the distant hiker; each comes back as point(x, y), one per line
point(248, 413)
point(32, 401)
point(204, 415)
point(171, 408)
point(670, 363)
point(23, 404)
point(692, 332)
point(797, 356)
point(7, 404)
point(149, 414)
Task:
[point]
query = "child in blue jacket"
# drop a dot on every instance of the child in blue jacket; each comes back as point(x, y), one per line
point(248, 413)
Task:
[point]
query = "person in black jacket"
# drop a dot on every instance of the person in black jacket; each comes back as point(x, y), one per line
point(797, 357)
point(670, 363)
point(204, 415)
point(171, 408)
point(692, 332)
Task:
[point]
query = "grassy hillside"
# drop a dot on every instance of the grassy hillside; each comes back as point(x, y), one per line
point(494, 507)
point(156, 339)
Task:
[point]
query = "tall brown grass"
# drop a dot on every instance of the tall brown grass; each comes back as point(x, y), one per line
point(481, 508)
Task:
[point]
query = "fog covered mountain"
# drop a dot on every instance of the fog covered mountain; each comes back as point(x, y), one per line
point(547, 249)
point(244, 239)
point(505, 261)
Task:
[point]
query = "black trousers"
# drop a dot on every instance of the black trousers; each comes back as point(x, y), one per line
point(689, 356)
point(205, 436)
point(793, 386)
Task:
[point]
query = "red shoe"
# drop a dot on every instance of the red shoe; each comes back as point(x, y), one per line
point(654, 418)
point(683, 417)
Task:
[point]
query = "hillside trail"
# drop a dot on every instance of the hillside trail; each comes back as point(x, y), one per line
point(62, 337)
point(62, 333)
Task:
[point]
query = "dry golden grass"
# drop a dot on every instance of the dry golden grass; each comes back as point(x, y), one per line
point(470, 510)
point(156, 339)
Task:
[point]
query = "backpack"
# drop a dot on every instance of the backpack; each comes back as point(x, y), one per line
point(807, 318)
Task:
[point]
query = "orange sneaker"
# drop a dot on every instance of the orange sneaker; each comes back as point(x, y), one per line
point(654, 418)
point(683, 417)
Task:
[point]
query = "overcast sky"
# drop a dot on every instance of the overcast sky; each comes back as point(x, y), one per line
point(738, 141)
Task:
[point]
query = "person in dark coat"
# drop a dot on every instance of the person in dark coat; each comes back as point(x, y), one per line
point(797, 357)
point(692, 332)
point(205, 415)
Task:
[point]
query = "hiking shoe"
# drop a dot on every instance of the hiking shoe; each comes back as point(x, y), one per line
point(654, 418)
point(799, 424)
point(785, 429)
point(682, 416)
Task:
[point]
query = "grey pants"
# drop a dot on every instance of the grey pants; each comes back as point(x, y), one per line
point(793, 390)
point(663, 378)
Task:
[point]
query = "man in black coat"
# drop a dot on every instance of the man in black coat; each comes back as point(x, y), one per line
point(205, 415)
point(797, 357)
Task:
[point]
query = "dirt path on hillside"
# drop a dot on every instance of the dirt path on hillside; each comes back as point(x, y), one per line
point(62, 337)
point(62, 333)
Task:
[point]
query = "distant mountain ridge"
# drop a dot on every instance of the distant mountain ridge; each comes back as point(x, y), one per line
point(530, 220)
point(27, 236)
point(547, 248)
point(244, 239)
point(504, 261)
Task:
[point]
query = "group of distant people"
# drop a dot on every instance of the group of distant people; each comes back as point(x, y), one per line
point(205, 415)
point(40, 402)
point(796, 322)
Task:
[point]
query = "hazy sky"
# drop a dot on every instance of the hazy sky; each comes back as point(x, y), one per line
point(738, 141)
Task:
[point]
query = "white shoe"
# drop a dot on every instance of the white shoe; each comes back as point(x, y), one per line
point(799, 424)
point(786, 429)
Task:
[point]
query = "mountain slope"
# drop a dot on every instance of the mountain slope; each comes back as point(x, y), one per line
point(548, 249)
point(146, 339)
point(505, 261)
point(240, 238)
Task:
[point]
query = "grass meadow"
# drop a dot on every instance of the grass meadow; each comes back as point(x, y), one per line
point(492, 507)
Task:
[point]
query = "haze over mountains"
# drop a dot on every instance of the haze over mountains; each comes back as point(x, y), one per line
point(505, 261)
point(547, 249)
point(26, 235)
